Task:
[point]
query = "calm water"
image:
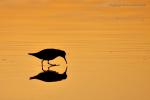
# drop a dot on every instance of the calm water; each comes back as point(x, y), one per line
point(108, 49)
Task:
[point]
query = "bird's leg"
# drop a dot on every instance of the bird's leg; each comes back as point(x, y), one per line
point(49, 64)
point(49, 68)
point(42, 64)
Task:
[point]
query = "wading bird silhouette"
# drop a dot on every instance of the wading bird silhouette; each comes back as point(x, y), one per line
point(49, 54)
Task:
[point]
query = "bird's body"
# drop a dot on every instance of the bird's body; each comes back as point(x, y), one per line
point(49, 54)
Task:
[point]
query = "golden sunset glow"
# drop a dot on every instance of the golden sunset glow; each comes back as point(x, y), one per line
point(107, 44)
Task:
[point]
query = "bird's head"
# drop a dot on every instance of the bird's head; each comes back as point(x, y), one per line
point(63, 54)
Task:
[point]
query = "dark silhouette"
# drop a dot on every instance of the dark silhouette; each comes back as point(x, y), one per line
point(49, 54)
point(50, 76)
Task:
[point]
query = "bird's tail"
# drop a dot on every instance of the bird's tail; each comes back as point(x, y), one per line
point(31, 78)
point(30, 54)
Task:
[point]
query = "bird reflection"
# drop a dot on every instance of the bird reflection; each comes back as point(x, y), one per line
point(50, 76)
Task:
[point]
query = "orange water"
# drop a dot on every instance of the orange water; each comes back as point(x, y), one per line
point(107, 44)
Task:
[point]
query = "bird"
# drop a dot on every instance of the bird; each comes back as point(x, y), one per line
point(50, 76)
point(49, 54)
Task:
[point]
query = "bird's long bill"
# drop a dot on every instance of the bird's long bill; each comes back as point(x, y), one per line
point(65, 60)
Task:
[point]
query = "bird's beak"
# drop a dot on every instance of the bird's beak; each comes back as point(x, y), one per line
point(65, 59)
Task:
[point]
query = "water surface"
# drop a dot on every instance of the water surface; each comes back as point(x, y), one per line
point(108, 49)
